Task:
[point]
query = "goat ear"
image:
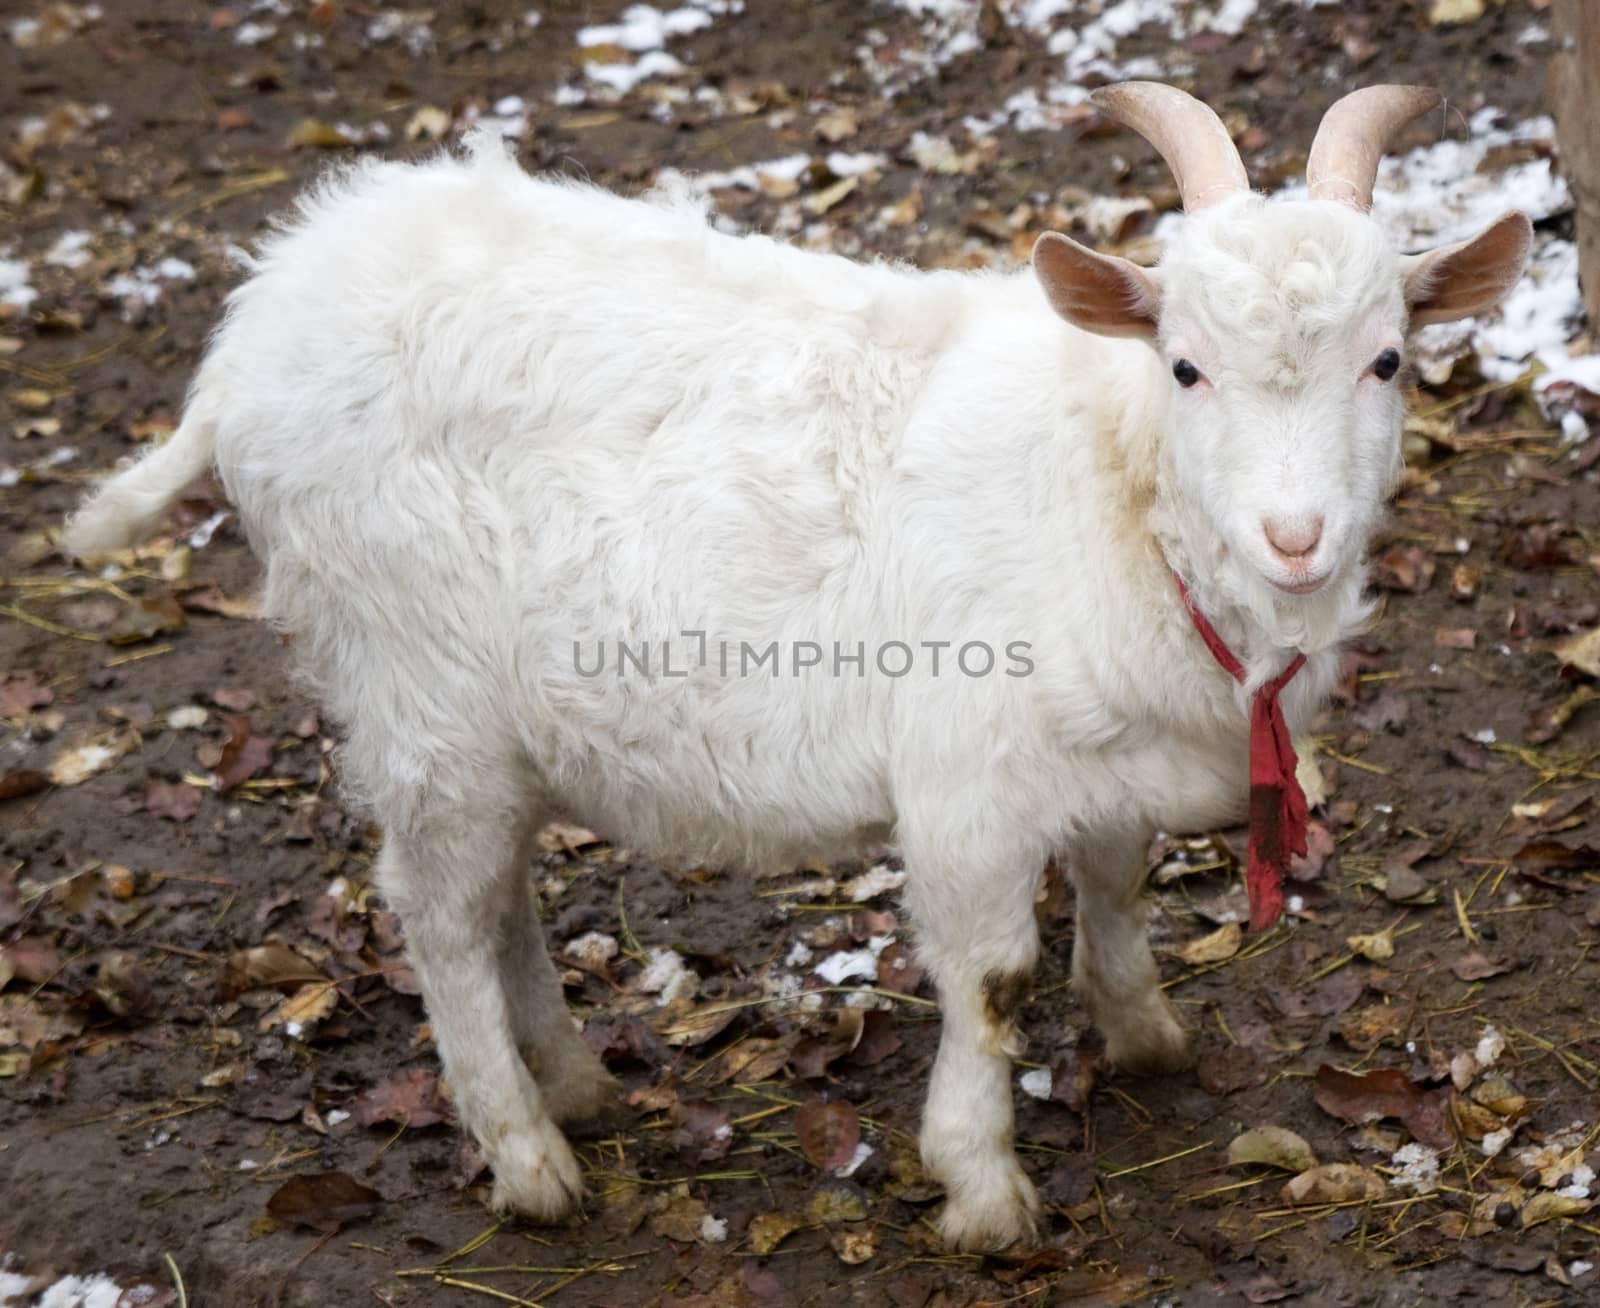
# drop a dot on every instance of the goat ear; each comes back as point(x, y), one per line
point(1097, 292)
point(1469, 278)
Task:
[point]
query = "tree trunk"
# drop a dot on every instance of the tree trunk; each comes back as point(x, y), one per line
point(1575, 93)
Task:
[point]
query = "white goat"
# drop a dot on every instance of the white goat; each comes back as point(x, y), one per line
point(482, 427)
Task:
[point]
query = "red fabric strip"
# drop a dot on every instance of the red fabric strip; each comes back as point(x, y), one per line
point(1278, 814)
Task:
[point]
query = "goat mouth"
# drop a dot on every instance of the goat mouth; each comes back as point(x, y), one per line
point(1300, 585)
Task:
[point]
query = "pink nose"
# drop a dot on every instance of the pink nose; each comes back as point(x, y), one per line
point(1292, 539)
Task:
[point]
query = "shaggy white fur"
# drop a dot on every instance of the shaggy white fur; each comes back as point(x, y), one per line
point(482, 428)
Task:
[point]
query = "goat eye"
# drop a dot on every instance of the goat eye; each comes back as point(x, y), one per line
point(1185, 372)
point(1386, 365)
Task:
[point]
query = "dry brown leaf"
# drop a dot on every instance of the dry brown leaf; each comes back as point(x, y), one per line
point(768, 1230)
point(1444, 13)
point(147, 617)
point(175, 801)
point(1581, 652)
point(1384, 1092)
point(1369, 1027)
point(313, 132)
point(840, 125)
point(854, 1247)
point(75, 765)
point(1221, 944)
point(1272, 1146)
point(271, 966)
point(1547, 1205)
point(323, 1201)
point(411, 1099)
point(1377, 947)
point(22, 783)
point(243, 755)
point(1334, 1183)
point(829, 1131)
point(829, 196)
point(303, 1010)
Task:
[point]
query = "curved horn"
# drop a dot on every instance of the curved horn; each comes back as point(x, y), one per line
point(1188, 135)
point(1352, 137)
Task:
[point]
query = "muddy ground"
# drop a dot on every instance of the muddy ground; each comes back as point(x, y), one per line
point(200, 1001)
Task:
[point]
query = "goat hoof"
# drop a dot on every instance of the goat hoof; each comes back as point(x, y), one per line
point(1148, 1046)
point(536, 1174)
point(988, 1215)
point(589, 1103)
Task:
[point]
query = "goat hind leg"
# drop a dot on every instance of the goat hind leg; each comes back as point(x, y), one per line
point(447, 872)
point(574, 1084)
point(1112, 966)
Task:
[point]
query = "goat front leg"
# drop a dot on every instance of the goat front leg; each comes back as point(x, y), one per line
point(976, 934)
point(449, 874)
point(1113, 969)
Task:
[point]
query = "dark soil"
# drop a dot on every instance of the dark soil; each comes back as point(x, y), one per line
point(150, 1104)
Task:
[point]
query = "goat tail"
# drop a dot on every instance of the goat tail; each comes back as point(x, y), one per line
point(128, 505)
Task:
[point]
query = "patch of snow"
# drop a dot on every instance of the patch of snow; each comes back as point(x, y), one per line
point(410, 27)
point(592, 948)
point(845, 964)
point(254, 33)
point(95, 1291)
point(144, 285)
point(1229, 18)
point(713, 1230)
point(746, 177)
point(643, 28)
point(848, 964)
point(1417, 1168)
point(201, 536)
point(14, 287)
point(1580, 1183)
point(863, 1152)
point(842, 163)
point(1491, 1044)
point(799, 955)
point(1494, 1141)
point(1089, 48)
point(336, 1116)
point(1036, 1082)
point(876, 881)
point(666, 976)
point(187, 717)
point(645, 31)
point(948, 28)
point(1484, 737)
point(71, 250)
point(622, 78)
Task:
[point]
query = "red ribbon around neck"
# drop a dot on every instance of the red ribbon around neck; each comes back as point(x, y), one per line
point(1278, 814)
